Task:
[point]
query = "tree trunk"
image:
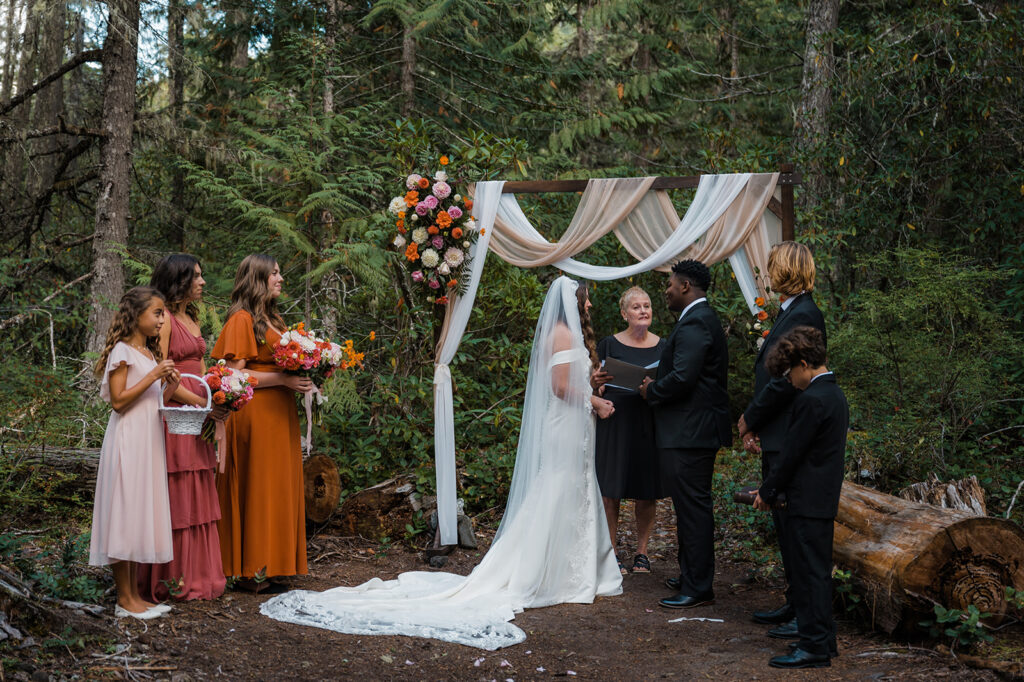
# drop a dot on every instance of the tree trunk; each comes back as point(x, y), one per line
point(76, 86)
point(10, 52)
point(905, 556)
point(176, 73)
point(120, 55)
point(816, 90)
point(240, 23)
point(963, 495)
point(408, 68)
point(48, 106)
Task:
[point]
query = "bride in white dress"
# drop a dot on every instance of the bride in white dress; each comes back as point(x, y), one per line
point(552, 546)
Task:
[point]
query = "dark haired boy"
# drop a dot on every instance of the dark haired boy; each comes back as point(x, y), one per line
point(810, 471)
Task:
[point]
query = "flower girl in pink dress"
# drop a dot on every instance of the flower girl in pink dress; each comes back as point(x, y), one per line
point(131, 517)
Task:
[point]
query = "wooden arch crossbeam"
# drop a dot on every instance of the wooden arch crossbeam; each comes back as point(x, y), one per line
point(788, 178)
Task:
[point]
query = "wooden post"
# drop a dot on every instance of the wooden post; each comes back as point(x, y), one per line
point(788, 212)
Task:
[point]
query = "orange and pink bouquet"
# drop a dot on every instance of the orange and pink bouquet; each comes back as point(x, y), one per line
point(302, 351)
point(229, 387)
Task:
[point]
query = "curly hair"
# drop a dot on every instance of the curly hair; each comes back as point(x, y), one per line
point(252, 294)
point(126, 321)
point(695, 272)
point(791, 268)
point(173, 276)
point(801, 343)
point(589, 338)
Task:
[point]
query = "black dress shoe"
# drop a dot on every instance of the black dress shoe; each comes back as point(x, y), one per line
point(780, 615)
point(673, 583)
point(833, 652)
point(683, 601)
point(800, 659)
point(787, 630)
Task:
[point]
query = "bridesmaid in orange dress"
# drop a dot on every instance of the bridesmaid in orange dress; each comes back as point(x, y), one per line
point(262, 526)
point(195, 571)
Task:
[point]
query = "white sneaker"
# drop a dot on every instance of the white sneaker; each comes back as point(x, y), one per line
point(148, 614)
point(161, 608)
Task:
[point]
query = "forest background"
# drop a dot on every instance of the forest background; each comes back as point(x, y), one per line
point(131, 130)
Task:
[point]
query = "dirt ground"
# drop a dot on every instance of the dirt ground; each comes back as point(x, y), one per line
point(617, 638)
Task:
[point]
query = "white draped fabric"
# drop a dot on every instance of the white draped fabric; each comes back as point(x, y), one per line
point(724, 221)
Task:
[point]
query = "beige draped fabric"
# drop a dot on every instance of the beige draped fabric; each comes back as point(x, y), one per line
point(604, 205)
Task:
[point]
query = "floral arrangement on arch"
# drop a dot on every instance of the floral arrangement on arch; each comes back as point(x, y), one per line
point(761, 326)
point(435, 232)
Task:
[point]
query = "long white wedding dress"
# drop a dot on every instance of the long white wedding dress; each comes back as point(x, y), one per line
point(552, 546)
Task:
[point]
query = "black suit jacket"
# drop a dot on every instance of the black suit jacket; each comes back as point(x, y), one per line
point(810, 467)
point(689, 398)
point(769, 410)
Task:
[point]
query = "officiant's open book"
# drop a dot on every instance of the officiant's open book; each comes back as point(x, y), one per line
point(628, 376)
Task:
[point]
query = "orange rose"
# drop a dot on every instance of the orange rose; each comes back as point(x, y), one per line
point(469, 204)
point(402, 230)
point(399, 223)
point(759, 301)
point(764, 334)
point(219, 397)
point(373, 335)
point(412, 197)
point(452, 283)
point(412, 253)
point(762, 315)
point(213, 381)
point(253, 380)
point(423, 183)
point(457, 233)
point(444, 160)
point(443, 219)
point(432, 229)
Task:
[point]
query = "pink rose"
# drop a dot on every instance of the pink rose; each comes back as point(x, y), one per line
point(434, 284)
point(431, 203)
point(417, 276)
point(454, 212)
point(422, 208)
point(437, 241)
point(442, 189)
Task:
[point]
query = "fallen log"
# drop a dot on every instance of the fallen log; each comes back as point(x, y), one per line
point(964, 495)
point(383, 510)
point(906, 556)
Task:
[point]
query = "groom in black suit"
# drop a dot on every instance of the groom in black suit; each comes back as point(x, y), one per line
point(691, 422)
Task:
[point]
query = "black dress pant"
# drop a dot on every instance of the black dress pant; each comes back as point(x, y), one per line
point(768, 459)
point(809, 541)
point(688, 474)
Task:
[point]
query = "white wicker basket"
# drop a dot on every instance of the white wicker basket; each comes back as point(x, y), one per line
point(188, 419)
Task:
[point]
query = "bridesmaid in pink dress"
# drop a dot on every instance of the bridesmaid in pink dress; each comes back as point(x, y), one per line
point(195, 572)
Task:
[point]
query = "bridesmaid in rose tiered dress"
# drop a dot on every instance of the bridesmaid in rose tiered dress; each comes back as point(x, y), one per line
point(195, 572)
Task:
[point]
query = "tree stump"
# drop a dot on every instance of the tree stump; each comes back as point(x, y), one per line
point(905, 556)
point(383, 510)
point(964, 495)
point(322, 487)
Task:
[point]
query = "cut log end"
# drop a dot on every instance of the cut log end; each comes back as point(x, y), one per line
point(322, 487)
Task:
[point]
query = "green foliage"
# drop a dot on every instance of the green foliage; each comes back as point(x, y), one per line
point(964, 628)
point(930, 366)
point(843, 585)
point(56, 573)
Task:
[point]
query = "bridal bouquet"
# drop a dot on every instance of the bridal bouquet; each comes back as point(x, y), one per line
point(435, 232)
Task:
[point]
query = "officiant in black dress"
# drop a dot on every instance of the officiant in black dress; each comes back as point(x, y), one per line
point(626, 456)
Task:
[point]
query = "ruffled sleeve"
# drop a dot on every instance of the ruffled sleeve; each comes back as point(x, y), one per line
point(237, 341)
point(120, 354)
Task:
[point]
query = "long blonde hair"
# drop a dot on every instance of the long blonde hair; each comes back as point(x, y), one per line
point(126, 322)
point(252, 294)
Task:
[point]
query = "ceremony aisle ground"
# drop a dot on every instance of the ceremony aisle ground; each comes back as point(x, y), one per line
point(620, 638)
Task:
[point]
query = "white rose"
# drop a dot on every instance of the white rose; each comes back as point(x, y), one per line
point(443, 269)
point(440, 176)
point(457, 197)
point(465, 245)
point(430, 258)
point(757, 325)
point(414, 217)
point(397, 205)
point(419, 235)
point(470, 224)
point(399, 241)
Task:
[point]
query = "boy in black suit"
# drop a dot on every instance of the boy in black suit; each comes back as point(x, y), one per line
point(810, 471)
point(691, 422)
